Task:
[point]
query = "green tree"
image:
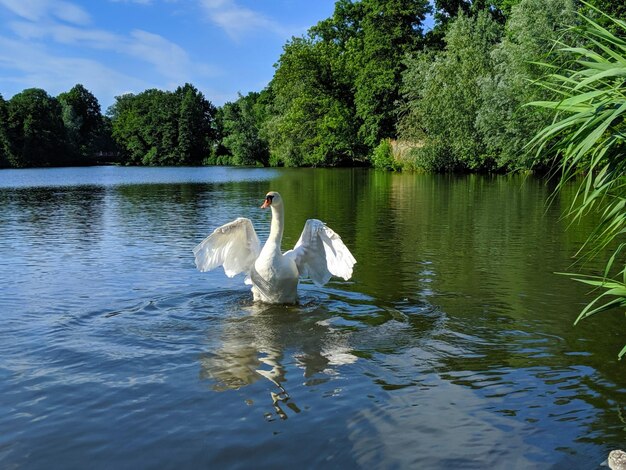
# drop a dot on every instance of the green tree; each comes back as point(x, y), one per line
point(164, 128)
point(242, 122)
point(442, 92)
point(129, 117)
point(196, 125)
point(220, 155)
point(503, 122)
point(126, 123)
point(445, 11)
point(83, 122)
point(312, 115)
point(335, 90)
point(390, 30)
point(4, 138)
point(35, 130)
point(160, 114)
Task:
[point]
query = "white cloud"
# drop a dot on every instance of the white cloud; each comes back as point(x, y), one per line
point(91, 56)
point(36, 10)
point(33, 66)
point(140, 2)
point(70, 13)
point(30, 9)
point(169, 59)
point(238, 21)
point(65, 34)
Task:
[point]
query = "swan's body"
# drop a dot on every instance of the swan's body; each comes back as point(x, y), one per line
point(318, 254)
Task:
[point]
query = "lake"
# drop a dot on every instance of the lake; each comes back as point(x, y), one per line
point(452, 346)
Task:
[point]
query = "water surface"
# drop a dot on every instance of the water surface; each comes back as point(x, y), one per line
point(451, 346)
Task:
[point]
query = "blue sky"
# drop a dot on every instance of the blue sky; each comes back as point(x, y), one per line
point(119, 46)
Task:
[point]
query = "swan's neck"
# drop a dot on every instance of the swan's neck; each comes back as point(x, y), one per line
point(276, 228)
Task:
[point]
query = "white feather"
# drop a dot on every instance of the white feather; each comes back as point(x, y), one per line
point(320, 253)
point(235, 246)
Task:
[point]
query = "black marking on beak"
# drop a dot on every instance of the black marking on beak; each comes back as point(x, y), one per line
point(268, 201)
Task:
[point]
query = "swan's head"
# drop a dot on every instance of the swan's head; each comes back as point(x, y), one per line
point(272, 199)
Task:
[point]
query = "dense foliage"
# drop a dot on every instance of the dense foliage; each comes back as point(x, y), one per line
point(151, 128)
point(454, 96)
point(4, 138)
point(503, 122)
point(335, 90)
point(443, 96)
point(35, 131)
point(83, 122)
point(239, 127)
point(164, 128)
point(366, 86)
point(312, 117)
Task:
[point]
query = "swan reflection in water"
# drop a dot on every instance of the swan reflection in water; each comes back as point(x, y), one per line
point(260, 343)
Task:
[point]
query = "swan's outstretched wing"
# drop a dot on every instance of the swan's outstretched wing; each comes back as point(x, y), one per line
point(320, 253)
point(235, 246)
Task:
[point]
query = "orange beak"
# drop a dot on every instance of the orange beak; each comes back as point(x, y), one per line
point(266, 203)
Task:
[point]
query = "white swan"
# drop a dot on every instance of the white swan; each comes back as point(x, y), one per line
point(318, 254)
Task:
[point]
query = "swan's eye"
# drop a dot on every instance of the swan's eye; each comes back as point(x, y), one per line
point(269, 198)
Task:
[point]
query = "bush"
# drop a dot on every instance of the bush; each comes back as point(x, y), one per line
point(382, 158)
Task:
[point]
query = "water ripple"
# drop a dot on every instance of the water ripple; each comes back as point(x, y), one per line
point(452, 345)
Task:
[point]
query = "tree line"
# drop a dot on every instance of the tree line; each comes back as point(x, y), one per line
point(366, 86)
point(151, 128)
